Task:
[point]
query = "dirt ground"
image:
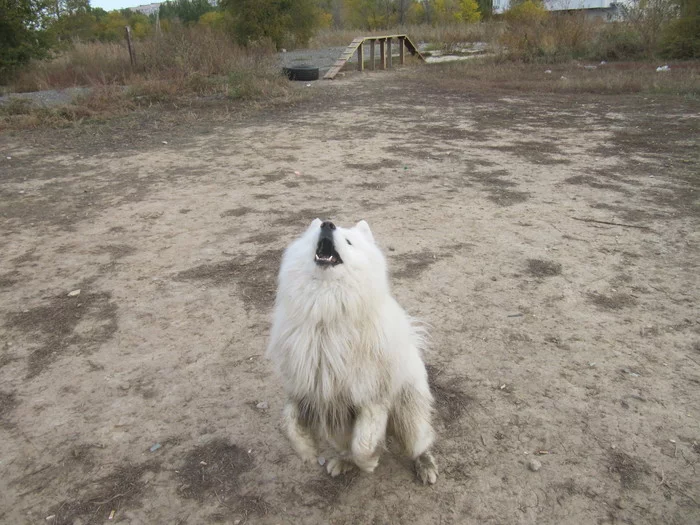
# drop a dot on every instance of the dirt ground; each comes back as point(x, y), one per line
point(551, 242)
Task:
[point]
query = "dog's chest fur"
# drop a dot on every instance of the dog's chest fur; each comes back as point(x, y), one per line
point(341, 365)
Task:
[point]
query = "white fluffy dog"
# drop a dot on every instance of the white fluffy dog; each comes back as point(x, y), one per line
point(348, 354)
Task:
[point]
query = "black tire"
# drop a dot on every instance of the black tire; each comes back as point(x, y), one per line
point(301, 72)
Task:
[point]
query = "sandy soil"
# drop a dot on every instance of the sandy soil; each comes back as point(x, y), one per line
point(554, 337)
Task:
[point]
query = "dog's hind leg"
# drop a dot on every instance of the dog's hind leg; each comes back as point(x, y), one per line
point(299, 433)
point(368, 436)
point(411, 422)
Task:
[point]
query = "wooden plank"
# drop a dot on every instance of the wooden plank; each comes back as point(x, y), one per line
point(412, 48)
point(385, 55)
point(344, 57)
point(130, 44)
point(382, 53)
point(384, 37)
point(332, 72)
point(388, 52)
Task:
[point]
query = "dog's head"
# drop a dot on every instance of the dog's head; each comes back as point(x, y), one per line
point(326, 252)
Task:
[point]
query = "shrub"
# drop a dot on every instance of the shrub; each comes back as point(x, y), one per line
point(648, 18)
point(216, 20)
point(468, 11)
point(681, 38)
point(20, 39)
point(617, 41)
point(187, 11)
point(182, 60)
point(527, 36)
point(287, 23)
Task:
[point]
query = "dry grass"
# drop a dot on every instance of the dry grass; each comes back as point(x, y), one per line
point(532, 36)
point(180, 63)
point(446, 35)
point(528, 36)
point(24, 114)
point(571, 77)
point(175, 57)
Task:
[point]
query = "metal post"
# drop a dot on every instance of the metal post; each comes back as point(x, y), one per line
point(388, 52)
point(402, 42)
point(361, 57)
point(371, 54)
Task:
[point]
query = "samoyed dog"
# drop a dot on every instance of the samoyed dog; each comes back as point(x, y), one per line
point(348, 355)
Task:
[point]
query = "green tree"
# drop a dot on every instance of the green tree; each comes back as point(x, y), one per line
point(21, 33)
point(446, 11)
point(284, 22)
point(187, 11)
point(467, 11)
point(416, 13)
point(649, 17)
point(371, 14)
point(486, 8)
point(334, 8)
point(213, 20)
point(81, 24)
point(111, 27)
point(681, 37)
point(61, 8)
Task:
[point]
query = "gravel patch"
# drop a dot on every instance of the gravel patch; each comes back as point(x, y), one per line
point(51, 97)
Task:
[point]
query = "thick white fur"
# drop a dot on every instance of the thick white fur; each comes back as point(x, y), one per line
point(349, 356)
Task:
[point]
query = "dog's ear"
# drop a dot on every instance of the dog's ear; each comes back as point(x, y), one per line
point(316, 223)
point(363, 228)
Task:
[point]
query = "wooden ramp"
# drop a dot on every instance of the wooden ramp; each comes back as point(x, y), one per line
point(385, 55)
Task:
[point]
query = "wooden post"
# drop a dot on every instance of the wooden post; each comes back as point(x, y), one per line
point(402, 43)
point(371, 54)
point(388, 52)
point(361, 57)
point(132, 54)
point(382, 54)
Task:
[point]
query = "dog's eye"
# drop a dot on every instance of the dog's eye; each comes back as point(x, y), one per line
point(347, 241)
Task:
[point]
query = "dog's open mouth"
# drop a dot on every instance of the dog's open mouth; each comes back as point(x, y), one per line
point(326, 254)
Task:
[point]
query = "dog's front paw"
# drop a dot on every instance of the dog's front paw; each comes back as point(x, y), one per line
point(307, 454)
point(337, 466)
point(426, 468)
point(368, 463)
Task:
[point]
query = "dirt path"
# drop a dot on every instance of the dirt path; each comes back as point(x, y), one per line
point(553, 337)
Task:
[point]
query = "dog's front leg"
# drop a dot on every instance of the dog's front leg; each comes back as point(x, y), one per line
point(368, 436)
point(299, 433)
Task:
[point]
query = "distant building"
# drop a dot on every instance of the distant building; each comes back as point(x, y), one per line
point(610, 10)
point(148, 9)
point(151, 9)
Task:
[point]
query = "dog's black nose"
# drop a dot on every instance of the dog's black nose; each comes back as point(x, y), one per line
point(327, 225)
